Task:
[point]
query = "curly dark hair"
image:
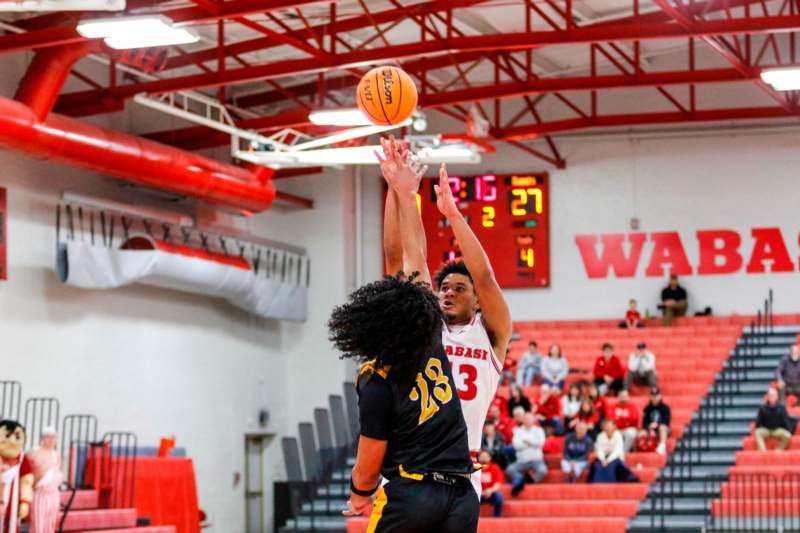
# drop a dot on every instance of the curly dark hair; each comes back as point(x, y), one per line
point(395, 321)
point(453, 267)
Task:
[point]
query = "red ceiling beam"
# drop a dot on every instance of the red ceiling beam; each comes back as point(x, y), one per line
point(198, 137)
point(293, 199)
point(59, 35)
point(337, 27)
point(512, 41)
point(344, 82)
point(534, 131)
point(582, 83)
point(285, 173)
point(746, 70)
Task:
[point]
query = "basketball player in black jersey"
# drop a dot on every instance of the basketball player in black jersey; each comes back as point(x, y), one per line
point(412, 428)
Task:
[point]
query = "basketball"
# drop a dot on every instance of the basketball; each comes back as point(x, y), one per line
point(387, 95)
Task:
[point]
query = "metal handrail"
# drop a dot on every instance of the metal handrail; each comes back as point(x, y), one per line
point(697, 436)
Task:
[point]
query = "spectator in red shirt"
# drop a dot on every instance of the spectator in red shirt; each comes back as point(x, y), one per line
point(626, 417)
point(588, 415)
point(548, 410)
point(598, 401)
point(608, 372)
point(491, 482)
point(633, 319)
point(503, 424)
point(500, 402)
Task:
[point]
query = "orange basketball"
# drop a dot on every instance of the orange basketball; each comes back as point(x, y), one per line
point(387, 95)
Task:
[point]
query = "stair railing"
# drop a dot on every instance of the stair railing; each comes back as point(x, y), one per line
point(757, 502)
point(698, 435)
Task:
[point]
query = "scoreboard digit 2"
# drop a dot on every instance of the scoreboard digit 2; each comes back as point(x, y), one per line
point(509, 214)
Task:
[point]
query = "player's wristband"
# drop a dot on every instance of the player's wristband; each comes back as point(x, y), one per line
point(364, 493)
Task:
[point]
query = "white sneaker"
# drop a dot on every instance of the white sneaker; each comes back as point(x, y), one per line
point(662, 449)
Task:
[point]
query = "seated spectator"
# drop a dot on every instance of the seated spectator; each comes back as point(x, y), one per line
point(641, 367)
point(599, 401)
point(577, 447)
point(570, 404)
point(491, 482)
point(516, 398)
point(554, 368)
point(789, 374)
point(495, 444)
point(656, 421)
point(609, 466)
point(587, 415)
point(773, 421)
point(502, 423)
point(632, 317)
point(674, 300)
point(509, 369)
point(500, 402)
point(528, 443)
point(626, 417)
point(548, 410)
point(608, 372)
point(529, 366)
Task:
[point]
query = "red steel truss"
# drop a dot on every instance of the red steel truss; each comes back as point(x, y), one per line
point(450, 64)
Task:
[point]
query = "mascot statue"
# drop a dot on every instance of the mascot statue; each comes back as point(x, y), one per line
point(46, 463)
point(17, 476)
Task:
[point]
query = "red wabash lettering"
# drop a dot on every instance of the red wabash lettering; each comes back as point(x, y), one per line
point(714, 244)
point(612, 254)
point(769, 246)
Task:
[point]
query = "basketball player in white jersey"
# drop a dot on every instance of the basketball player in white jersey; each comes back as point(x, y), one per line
point(477, 325)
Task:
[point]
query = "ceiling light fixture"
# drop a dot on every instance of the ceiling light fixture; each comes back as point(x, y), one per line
point(782, 79)
point(339, 117)
point(62, 5)
point(122, 33)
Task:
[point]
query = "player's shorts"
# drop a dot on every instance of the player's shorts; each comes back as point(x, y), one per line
point(407, 506)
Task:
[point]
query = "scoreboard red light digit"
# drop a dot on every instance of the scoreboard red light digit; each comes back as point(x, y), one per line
point(510, 216)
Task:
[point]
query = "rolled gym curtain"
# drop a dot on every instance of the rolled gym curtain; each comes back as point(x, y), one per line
point(267, 282)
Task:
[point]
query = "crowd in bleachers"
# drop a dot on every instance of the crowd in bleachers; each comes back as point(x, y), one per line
point(591, 422)
point(773, 420)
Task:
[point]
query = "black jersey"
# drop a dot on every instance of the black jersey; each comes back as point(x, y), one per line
point(420, 418)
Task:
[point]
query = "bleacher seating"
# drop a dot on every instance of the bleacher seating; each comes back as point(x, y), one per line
point(87, 512)
point(688, 357)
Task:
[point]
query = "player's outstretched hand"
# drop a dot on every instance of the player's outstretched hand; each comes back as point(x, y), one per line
point(391, 158)
point(444, 195)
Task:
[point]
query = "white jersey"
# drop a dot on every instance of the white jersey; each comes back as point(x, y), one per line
point(476, 372)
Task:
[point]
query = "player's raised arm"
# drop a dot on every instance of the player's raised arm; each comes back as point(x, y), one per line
point(403, 175)
point(494, 309)
point(392, 242)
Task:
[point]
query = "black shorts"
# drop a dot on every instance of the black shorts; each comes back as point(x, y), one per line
point(407, 506)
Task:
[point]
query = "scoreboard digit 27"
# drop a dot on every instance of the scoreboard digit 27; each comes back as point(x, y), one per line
point(509, 214)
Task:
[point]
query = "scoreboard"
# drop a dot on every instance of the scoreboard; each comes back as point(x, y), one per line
point(509, 214)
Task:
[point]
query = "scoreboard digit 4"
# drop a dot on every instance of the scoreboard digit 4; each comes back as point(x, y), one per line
point(509, 214)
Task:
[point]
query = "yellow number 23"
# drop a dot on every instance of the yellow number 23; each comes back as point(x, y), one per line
point(432, 390)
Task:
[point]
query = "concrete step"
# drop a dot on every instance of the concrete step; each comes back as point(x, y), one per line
point(710, 457)
point(672, 524)
point(681, 506)
point(760, 362)
point(779, 330)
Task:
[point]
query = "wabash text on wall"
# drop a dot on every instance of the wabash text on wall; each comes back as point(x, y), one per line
point(719, 251)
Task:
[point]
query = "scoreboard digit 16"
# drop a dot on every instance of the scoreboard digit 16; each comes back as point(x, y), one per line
point(509, 214)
